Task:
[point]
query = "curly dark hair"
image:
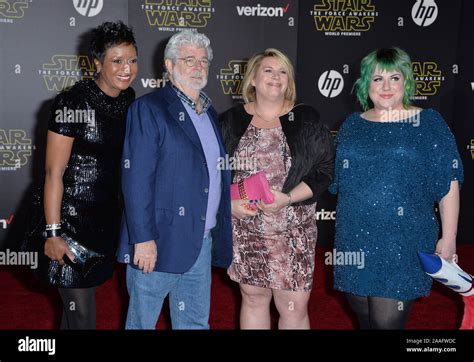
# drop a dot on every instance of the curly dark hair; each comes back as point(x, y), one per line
point(109, 34)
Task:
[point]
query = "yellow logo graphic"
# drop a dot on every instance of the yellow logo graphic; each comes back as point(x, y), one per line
point(471, 148)
point(12, 9)
point(167, 15)
point(428, 79)
point(344, 17)
point(15, 149)
point(65, 70)
point(231, 78)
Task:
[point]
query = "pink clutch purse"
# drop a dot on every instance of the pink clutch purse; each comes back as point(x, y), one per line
point(252, 188)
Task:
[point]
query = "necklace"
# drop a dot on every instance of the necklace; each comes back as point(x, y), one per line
point(271, 119)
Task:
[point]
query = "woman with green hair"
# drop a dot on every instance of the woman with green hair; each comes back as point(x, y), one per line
point(394, 161)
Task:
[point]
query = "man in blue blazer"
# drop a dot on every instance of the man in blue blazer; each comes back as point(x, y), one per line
point(174, 193)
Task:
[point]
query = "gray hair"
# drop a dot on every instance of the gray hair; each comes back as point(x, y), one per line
point(187, 37)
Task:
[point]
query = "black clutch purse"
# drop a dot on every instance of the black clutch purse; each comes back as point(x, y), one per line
point(85, 259)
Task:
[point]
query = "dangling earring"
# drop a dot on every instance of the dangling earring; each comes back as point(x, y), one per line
point(97, 70)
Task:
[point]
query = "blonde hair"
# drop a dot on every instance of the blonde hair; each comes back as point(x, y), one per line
point(248, 90)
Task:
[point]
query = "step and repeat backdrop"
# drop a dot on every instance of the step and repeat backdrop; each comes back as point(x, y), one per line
point(44, 49)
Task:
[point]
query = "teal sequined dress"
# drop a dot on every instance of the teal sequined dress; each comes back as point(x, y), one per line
point(389, 175)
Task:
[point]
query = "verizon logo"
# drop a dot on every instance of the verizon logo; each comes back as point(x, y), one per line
point(5, 222)
point(325, 215)
point(153, 83)
point(262, 10)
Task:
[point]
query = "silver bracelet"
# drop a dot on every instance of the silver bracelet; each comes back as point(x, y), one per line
point(53, 233)
point(53, 226)
point(289, 199)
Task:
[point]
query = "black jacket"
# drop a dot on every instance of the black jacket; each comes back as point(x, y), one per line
point(309, 141)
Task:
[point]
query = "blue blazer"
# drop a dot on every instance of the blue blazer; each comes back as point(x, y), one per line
point(164, 177)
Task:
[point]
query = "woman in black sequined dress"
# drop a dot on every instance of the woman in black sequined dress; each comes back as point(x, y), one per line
point(81, 190)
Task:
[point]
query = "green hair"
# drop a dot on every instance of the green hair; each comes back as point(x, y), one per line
point(388, 59)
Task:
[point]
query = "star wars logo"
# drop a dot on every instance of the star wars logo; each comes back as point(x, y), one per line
point(12, 9)
point(231, 78)
point(15, 149)
point(170, 15)
point(65, 70)
point(344, 17)
point(428, 79)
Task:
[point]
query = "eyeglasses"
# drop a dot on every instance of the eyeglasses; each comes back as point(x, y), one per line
point(191, 62)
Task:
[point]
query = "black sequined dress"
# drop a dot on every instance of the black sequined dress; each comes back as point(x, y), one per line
point(90, 211)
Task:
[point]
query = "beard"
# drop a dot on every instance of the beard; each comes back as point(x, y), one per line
point(196, 85)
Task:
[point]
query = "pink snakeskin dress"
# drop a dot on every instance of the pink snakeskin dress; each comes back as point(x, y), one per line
point(272, 251)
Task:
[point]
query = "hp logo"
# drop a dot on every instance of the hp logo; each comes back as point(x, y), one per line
point(88, 8)
point(424, 12)
point(330, 83)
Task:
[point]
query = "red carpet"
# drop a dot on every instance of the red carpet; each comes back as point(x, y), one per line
point(26, 304)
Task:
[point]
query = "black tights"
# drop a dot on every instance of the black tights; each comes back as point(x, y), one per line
point(380, 313)
point(78, 308)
